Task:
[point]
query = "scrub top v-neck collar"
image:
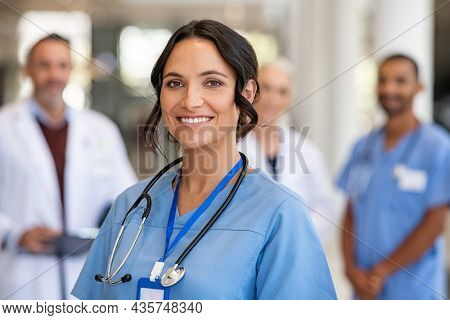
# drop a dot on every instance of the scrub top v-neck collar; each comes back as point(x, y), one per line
point(181, 220)
point(405, 144)
point(404, 141)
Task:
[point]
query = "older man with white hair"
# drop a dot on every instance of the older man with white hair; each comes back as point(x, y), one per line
point(288, 156)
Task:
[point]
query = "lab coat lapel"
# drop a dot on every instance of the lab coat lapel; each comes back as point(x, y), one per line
point(255, 154)
point(37, 151)
point(291, 154)
point(286, 157)
point(75, 174)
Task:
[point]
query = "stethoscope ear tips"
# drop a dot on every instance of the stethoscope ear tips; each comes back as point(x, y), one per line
point(126, 278)
point(98, 278)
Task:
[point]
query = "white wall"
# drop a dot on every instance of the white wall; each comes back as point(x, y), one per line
point(407, 26)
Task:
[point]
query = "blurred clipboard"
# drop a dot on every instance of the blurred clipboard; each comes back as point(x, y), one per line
point(73, 244)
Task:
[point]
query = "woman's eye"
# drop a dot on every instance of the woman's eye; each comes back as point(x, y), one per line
point(213, 83)
point(174, 84)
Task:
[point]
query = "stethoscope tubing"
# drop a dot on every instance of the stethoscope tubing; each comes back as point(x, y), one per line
point(218, 212)
point(145, 215)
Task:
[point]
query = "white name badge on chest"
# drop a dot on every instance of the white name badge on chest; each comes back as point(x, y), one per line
point(413, 180)
point(151, 290)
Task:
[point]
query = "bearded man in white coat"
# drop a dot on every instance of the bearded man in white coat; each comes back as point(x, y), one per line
point(288, 156)
point(60, 169)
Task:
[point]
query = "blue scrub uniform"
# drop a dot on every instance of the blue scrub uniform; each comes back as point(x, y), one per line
point(263, 246)
point(390, 192)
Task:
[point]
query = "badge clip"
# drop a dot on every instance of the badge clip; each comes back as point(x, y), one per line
point(156, 271)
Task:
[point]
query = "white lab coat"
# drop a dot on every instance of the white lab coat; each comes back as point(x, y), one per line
point(302, 168)
point(5, 226)
point(96, 171)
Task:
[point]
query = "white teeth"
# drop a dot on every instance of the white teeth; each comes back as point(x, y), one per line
point(195, 120)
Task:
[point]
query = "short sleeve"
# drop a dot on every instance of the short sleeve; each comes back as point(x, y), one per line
point(438, 186)
point(86, 287)
point(292, 264)
point(343, 179)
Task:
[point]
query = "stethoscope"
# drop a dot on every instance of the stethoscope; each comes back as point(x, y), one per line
point(176, 272)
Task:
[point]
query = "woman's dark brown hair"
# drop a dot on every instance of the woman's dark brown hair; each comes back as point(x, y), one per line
point(237, 53)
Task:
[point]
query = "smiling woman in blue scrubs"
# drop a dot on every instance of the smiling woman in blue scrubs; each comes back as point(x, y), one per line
point(263, 246)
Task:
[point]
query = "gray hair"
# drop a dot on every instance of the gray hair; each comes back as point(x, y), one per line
point(285, 65)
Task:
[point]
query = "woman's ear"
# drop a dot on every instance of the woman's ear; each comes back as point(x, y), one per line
point(250, 89)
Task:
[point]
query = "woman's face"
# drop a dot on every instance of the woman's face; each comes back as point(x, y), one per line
point(197, 95)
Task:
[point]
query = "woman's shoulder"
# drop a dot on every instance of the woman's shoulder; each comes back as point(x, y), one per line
point(127, 198)
point(268, 200)
point(266, 187)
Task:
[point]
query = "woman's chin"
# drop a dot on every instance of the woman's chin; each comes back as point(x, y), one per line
point(193, 145)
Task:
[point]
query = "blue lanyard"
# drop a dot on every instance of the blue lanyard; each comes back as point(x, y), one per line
point(170, 246)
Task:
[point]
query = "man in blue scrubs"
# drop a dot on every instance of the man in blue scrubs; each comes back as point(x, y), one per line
point(398, 185)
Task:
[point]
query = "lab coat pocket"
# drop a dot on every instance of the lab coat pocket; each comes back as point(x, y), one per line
point(100, 167)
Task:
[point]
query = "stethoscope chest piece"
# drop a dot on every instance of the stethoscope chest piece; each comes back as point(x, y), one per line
point(172, 276)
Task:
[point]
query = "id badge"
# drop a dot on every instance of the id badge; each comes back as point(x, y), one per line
point(151, 290)
point(412, 180)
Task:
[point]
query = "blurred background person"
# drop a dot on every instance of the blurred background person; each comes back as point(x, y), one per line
point(286, 155)
point(61, 169)
point(397, 181)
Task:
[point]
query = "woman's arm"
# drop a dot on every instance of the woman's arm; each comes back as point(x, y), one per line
point(292, 264)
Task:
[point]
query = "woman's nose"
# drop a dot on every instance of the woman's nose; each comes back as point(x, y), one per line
point(192, 98)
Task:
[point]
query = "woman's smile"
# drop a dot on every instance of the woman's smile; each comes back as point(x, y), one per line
point(194, 121)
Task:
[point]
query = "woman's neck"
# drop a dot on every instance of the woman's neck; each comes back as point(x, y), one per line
point(203, 168)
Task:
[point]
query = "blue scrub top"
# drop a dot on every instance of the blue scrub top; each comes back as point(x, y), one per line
point(387, 210)
point(263, 246)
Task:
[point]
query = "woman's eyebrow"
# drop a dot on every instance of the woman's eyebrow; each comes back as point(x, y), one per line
point(204, 73)
point(172, 74)
point(209, 72)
